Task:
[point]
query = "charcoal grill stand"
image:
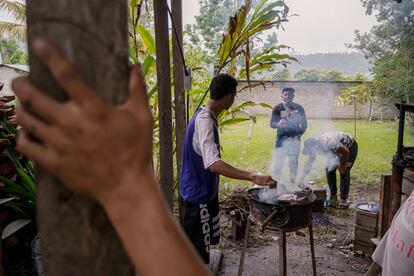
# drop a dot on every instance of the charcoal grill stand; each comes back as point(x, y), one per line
point(282, 245)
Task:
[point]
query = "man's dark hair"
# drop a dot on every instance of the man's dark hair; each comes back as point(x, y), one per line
point(222, 85)
point(289, 90)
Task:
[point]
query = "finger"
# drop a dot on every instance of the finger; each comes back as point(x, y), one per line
point(138, 98)
point(37, 102)
point(65, 73)
point(32, 125)
point(34, 150)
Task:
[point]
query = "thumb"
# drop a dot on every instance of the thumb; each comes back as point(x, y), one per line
point(138, 98)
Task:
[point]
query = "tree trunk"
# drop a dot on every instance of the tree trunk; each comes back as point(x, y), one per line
point(164, 99)
point(179, 97)
point(76, 236)
point(371, 110)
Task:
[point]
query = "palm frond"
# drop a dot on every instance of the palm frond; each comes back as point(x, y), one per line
point(16, 9)
point(12, 30)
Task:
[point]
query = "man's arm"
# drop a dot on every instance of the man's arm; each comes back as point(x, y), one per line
point(122, 183)
point(275, 117)
point(344, 153)
point(209, 150)
point(225, 169)
point(306, 168)
point(303, 120)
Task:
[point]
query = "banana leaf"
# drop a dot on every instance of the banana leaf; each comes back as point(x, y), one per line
point(147, 39)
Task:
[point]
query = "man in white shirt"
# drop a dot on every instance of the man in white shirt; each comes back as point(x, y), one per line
point(202, 165)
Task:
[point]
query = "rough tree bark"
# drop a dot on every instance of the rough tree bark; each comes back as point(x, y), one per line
point(164, 99)
point(179, 102)
point(76, 236)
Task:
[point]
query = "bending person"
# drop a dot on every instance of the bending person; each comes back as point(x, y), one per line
point(340, 150)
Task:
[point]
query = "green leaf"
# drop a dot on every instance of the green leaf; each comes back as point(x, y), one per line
point(148, 64)
point(14, 226)
point(233, 121)
point(8, 127)
point(147, 39)
point(27, 181)
point(16, 190)
point(265, 105)
point(20, 208)
point(14, 156)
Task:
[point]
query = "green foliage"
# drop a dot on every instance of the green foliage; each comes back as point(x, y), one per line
point(211, 23)
point(11, 53)
point(282, 75)
point(359, 95)
point(319, 75)
point(271, 41)
point(243, 28)
point(21, 189)
point(308, 75)
point(390, 47)
point(362, 94)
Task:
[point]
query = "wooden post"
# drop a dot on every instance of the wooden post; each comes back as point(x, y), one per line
point(76, 236)
point(282, 254)
point(385, 201)
point(164, 99)
point(395, 191)
point(179, 97)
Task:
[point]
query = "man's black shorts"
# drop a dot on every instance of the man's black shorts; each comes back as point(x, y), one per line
point(201, 223)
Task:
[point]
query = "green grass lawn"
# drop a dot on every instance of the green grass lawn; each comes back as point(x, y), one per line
point(377, 145)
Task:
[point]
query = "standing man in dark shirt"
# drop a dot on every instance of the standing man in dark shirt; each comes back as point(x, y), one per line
point(290, 121)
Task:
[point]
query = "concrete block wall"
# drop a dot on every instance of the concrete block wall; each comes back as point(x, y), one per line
point(317, 98)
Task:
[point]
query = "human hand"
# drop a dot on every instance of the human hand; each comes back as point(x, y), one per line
point(264, 180)
point(90, 145)
point(281, 123)
point(342, 168)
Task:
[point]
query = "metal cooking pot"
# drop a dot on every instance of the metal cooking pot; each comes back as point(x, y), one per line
point(281, 215)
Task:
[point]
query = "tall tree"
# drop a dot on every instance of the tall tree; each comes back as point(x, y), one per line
point(17, 10)
point(390, 47)
point(77, 237)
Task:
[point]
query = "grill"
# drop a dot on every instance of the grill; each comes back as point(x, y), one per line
point(292, 213)
point(281, 215)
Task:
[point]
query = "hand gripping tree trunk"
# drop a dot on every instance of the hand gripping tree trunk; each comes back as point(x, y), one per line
point(76, 236)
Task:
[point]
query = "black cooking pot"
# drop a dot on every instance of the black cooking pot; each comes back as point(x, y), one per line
point(281, 215)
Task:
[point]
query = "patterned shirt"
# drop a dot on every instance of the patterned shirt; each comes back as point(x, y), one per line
point(332, 140)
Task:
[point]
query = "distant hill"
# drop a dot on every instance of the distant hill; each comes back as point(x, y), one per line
point(347, 63)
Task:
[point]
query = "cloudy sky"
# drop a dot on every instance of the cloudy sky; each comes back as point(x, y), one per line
point(322, 25)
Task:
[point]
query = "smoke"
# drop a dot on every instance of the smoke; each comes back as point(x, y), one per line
point(269, 195)
point(319, 123)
